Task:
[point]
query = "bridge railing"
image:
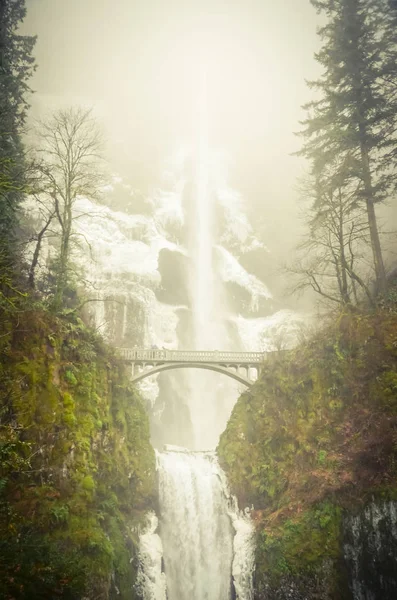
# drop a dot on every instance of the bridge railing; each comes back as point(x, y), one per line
point(136, 354)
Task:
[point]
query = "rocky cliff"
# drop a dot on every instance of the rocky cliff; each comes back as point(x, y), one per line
point(313, 447)
point(77, 468)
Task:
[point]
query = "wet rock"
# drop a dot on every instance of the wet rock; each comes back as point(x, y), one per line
point(370, 551)
point(173, 268)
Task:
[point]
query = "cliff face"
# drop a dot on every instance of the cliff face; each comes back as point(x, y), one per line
point(313, 446)
point(137, 259)
point(77, 468)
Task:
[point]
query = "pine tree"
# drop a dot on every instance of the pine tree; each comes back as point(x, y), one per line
point(16, 67)
point(355, 113)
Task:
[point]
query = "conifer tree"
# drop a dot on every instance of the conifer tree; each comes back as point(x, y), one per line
point(354, 114)
point(16, 67)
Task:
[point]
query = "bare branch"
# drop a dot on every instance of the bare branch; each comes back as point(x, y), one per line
point(68, 158)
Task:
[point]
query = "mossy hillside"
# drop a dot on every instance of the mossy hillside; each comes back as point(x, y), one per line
point(78, 469)
point(315, 436)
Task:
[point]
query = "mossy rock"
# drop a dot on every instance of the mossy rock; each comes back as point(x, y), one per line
point(80, 471)
point(317, 430)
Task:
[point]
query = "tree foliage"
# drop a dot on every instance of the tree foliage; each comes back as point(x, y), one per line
point(353, 119)
point(16, 67)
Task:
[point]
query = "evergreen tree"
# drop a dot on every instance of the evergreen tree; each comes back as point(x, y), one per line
point(355, 113)
point(16, 67)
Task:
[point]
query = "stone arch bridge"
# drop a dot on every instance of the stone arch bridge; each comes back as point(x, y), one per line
point(244, 367)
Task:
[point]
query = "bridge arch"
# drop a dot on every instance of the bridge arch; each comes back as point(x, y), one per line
point(198, 365)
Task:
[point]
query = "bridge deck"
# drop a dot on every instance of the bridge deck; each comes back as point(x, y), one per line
point(193, 356)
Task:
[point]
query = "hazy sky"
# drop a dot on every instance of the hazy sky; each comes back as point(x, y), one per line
point(138, 63)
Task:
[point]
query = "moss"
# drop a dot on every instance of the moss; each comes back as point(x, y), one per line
point(300, 545)
point(316, 433)
point(81, 468)
point(88, 483)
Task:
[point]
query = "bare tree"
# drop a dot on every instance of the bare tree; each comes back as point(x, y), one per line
point(70, 144)
point(332, 258)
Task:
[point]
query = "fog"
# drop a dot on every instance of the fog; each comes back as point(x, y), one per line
point(137, 63)
point(198, 332)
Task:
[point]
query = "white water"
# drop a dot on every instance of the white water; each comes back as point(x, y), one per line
point(207, 544)
point(210, 398)
point(195, 528)
point(202, 280)
point(151, 581)
point(208, 549)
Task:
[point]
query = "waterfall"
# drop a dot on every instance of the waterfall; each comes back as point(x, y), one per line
point(207, 544)
point(195, 528)
point(210, 398)
point(150, 582)
point(201, 245)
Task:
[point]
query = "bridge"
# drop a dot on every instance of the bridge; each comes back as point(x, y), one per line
point(237, 365)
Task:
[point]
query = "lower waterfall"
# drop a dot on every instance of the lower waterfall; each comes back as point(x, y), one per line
point(207, 544)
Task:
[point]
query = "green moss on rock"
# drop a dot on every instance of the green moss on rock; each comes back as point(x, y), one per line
point(78, 470)
point(314, 439)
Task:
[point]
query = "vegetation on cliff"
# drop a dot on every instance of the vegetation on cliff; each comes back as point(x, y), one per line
point(77, 468)
point(76, 464)
point(315, 436)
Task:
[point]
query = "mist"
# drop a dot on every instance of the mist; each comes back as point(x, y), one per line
point(198, 300)
point(138, 64)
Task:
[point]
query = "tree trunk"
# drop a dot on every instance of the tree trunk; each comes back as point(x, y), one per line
point(362, 122)
point(36, 253)
point(341, 240)
point(62, 276)
point(373, 227)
